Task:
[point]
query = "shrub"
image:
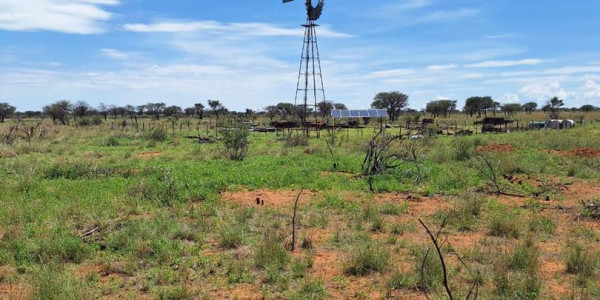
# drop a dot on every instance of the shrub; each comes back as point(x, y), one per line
point(310, 290)
point(525, 256)
point(112, 142)
point(296, 140)
point(543, 224)
point(367, 258)
point(270, 252)
point(53, 283)
point(157, 134)
point(427, 264)
point(503, 225)
point(394, 209)
point(232, 236)
point(581, 261)
point(235, 140)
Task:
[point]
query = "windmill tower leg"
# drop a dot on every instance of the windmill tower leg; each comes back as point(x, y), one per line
point(309, 89)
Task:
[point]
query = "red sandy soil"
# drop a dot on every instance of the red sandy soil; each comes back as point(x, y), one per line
point(580, 152)
point(496, 148)
point(271, 198)
point(149, 154)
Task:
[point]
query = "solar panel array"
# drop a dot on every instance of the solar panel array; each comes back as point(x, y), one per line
point(359, 113)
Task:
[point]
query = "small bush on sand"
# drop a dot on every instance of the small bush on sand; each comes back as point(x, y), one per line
point(367, 258)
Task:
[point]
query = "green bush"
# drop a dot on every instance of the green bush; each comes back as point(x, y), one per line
point(270, 251)
point(581, 260)
point(394, 209)
point(503, 225)
point(367, 258)
point(525, 256)
point(232, 236)
point(235, 140)
point(157, 134)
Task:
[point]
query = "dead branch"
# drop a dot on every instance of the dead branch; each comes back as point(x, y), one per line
point(434, 240)
point(294, 220)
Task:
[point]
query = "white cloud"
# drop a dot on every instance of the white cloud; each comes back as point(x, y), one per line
point(406, 5)
point(390, 73)
point(445, 15)
point(544, 91)
point(590, 91)
point(510, 98)
point(506, 63)
point(442, 67)
point(67, 16)
point(116, 54)
point(231, 29)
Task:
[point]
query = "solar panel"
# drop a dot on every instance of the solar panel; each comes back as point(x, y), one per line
point(382, 113)
point(362, 113)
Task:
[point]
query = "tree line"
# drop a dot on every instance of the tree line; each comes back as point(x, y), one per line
point(394, 102)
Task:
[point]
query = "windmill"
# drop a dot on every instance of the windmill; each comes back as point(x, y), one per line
point(310, 77)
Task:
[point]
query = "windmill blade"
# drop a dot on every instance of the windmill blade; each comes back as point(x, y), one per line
point(286, 1)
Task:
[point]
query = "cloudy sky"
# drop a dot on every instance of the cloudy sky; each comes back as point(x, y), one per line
point(245, 53)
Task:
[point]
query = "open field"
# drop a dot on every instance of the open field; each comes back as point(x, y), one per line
point(91, 212)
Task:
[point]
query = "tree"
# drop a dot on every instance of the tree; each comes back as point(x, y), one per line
point(130, 111)
point(80, 109)
point(393, 102)
point(155, 109)
point(6, 110)
point(339, 106)
point(172, 111)
point(249, 113)
point(441, 107)
point(139, 110)
point(217, 109)
point(529, 107)
point(199, 107)
point(59, 110)
point(511, 108)
point(479, 105)
point(587, 108)
point(285, 109)
point(190, 111)
point(103, 110)
point(325, 108)
point(272, 111)
point(554, 106)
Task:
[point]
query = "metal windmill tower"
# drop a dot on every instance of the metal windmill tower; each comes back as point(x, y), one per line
point(310, 88)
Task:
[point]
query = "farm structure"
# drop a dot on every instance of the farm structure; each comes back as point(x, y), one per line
point(495, 125)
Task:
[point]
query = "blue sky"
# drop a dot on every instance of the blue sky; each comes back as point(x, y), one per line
point(245, 53)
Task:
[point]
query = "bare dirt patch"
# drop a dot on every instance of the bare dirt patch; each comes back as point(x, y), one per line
point(266, 198)
point(149, 155)
point(579, 152)
point(496, 148)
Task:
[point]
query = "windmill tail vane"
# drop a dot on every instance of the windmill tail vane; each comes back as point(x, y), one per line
point(314, 12)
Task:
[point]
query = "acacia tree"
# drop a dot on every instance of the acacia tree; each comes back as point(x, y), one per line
point(554, 106)
point(511, 108)
point(529, 107)
point(80, 109)
point(325, 108)
point(339, 106)
point(172, 111)
point(271, 111)
point(217, 109)
point(441, 107)
point(199, 108)
point(587, 108)
point(155, 109)
point(103, 110)
point(59, 110)
point(285, 109)
point(479, 105)
point(6, 110)
point(393, 102)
